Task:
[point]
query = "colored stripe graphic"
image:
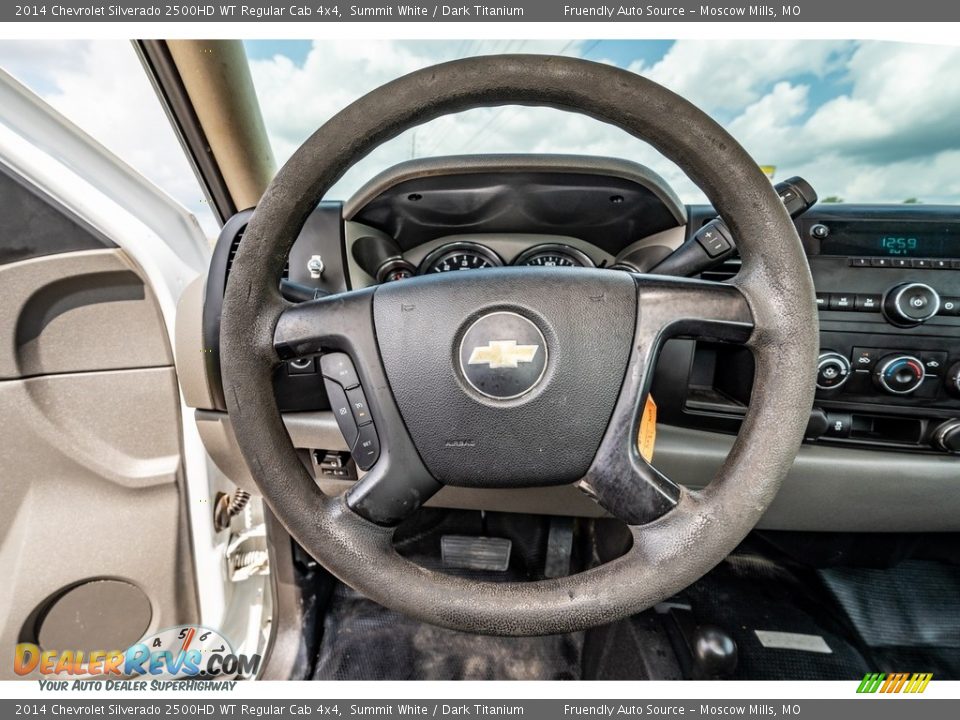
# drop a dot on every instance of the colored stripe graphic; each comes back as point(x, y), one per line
point(894, 683)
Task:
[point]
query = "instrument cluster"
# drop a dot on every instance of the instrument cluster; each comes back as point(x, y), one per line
point(463, 255)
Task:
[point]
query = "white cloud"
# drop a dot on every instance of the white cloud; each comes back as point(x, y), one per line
point(889, 132)
point(730, 74)
point(896, 111)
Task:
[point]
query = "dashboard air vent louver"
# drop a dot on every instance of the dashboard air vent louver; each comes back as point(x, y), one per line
point(235, 245)
point(725, 271)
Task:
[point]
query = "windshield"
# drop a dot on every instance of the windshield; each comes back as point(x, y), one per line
point(862, 121)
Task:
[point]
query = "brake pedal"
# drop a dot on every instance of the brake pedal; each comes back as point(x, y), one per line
point(475, 553)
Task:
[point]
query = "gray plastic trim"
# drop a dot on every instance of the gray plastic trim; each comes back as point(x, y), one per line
point(94, 460)
point(833, 489)
point(828, 489)
point(473, 164)
point(74, 312)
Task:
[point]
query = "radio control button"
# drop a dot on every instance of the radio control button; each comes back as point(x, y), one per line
point(901, 262)
point(910, 304)
point(955, 264)
point(940, 264)
point(881, 262)
point(867, 303)
point(841, 301)
point(859, 262)
point(923, 263)
point(820, 231)
point(950, 306)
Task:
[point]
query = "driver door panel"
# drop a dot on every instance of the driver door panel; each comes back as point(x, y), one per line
point(93, 522)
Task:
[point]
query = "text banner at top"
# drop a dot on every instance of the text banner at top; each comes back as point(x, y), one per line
point(310, 11)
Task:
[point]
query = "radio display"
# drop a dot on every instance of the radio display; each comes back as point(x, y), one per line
point(921, 239)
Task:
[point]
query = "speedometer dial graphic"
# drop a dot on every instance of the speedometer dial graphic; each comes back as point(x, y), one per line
point(554, 255)
point(459, 256)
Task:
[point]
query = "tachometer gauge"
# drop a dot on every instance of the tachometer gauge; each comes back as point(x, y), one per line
point(459, 256)
point(553, 256)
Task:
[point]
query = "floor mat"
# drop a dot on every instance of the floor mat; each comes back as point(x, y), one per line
point(914, 603)
point(747, 593)
point(366, 641)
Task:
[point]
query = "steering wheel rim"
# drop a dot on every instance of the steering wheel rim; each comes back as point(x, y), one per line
point(769, 307)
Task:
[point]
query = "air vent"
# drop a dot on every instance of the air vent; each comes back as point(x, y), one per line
point(235, 245)
point(729, 268)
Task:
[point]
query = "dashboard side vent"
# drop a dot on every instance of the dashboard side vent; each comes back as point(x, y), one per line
point(729, 268)
point(235, 245)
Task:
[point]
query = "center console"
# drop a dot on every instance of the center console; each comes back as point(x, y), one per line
point(888, 290)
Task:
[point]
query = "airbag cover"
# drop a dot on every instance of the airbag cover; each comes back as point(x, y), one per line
point(491, 411)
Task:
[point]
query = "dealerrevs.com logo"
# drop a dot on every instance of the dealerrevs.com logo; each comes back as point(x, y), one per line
point(185, 651)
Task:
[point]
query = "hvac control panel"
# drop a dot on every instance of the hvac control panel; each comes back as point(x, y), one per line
point(887, 282)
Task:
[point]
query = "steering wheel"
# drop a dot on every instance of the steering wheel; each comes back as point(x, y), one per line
point(519, 377)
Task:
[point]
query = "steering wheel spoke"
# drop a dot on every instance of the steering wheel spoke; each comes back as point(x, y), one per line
point(620, 479)
point(340, 329)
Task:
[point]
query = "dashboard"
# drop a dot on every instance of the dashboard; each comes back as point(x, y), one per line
point(887, 279)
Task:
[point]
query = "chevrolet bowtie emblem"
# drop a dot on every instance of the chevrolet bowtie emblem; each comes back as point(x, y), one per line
point(502, 354)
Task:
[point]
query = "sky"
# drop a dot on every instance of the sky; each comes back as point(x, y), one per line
point(862, 121)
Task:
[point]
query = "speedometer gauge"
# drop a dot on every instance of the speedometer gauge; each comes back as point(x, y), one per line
point(459, 256)
point(554, 255)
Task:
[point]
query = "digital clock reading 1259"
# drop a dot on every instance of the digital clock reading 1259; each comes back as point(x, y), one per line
point(894, 245)
point(903, 238)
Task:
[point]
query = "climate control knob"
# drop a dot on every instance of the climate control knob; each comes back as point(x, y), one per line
point(953, 379)
point(910, 304)
point(947, 436)
point(833, 370)
point(899, 374)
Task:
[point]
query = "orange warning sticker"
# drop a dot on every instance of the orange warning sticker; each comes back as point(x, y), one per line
point(647, 435)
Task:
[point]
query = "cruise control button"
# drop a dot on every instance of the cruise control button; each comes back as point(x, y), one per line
point(823, 301)
point(950, 306)
point(358, 405)
point(367, 448)
point(841, 301)
point(867, 303)
point(339, 368)
point(341, 411)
